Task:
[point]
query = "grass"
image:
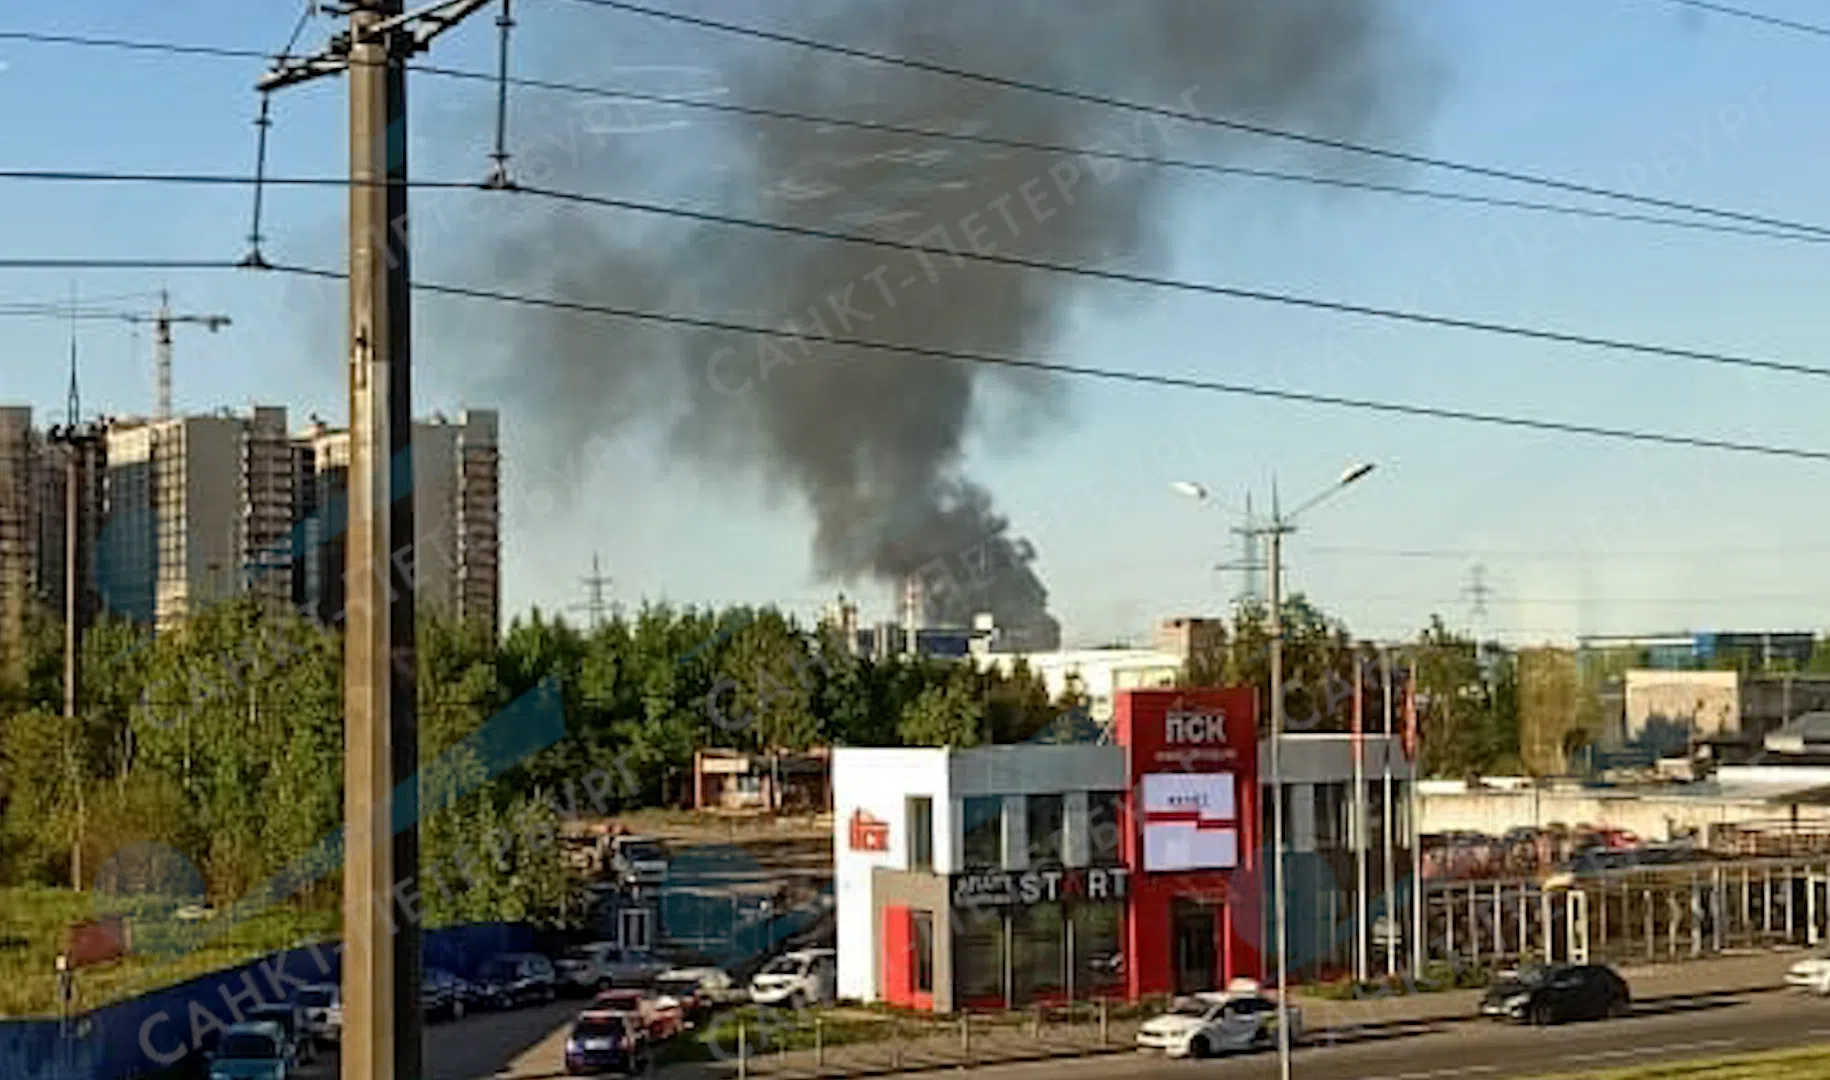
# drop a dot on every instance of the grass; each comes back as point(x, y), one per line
point(33, 921)
point(1799, 1064)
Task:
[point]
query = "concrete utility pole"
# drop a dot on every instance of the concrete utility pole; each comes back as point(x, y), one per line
point(1274, 531)
point(381, 959)
point(1388, 811)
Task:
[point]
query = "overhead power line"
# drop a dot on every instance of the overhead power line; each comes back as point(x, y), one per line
point(1750, 15)
point(1232, 292)
point(1106, 374)
point(33, 37)
point(1656, 438)
point(1753, 225)
point(1207, 168)
point(1267, 131)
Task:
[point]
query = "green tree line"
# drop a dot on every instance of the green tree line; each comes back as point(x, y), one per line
point(222, 739)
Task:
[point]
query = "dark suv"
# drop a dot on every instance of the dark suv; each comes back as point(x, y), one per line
point(514, 979)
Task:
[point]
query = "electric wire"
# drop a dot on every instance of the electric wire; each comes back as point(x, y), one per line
point(1762, 225)
point(1267, 131)
point(1149, 160)
point(1750, 15)
point(1232, 292)
point(1115, 375)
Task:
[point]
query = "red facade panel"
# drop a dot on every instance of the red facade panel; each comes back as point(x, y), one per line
point(1191, 837)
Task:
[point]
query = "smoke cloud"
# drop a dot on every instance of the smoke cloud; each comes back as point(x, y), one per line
point(872, 444)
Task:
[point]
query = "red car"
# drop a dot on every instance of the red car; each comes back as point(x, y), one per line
point(660, 1020)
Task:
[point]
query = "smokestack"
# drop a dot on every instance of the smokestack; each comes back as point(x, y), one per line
point(873, 446)
point(911, 615)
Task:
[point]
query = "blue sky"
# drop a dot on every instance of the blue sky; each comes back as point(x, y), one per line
point(1575, 535)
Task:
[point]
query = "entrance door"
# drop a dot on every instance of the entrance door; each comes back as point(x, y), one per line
point(1195, 932)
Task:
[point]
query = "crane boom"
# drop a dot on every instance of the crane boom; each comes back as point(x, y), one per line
point(161, 321)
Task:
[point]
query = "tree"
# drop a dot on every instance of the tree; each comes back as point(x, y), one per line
point(949, 713)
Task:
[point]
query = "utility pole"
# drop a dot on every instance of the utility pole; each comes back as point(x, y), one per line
point(381, 961)
point(1413, 741)
point(1275, 533)
point(79, 442)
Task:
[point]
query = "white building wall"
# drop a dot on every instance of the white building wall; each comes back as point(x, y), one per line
point(878, 781)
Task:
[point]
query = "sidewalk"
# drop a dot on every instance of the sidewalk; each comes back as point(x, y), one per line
point(939, 1044)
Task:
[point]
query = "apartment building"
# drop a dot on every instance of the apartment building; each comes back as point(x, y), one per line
point(18, 537)
point(34, 481)
point(199, 510)
point(455, 558)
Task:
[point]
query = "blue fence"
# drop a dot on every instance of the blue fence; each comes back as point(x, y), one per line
point(158, 1031)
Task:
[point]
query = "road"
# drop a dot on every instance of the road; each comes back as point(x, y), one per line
point(526, 1045)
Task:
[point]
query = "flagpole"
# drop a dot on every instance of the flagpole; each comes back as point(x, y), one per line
point(1386, 808)
point(1362, 941)
point(1419, 896)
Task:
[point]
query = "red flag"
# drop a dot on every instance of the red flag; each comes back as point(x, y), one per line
point(1410, 714)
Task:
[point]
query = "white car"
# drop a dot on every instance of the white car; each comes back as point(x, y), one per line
point(1214, 1022)
point(803, 977)
point(323, 1008)
point(1811, 973)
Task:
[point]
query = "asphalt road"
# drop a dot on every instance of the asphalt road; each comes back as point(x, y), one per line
point(1705, 1026)
point(526, 1044)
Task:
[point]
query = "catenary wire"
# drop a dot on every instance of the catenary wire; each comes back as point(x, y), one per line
point(1267, 131)
point(29, 263)
point(1768, 226)
point(1231, 292)
point(1090, 372)
point(1150, 160)
point(1750, 15)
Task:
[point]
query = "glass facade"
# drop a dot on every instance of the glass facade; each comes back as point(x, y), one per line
point(984, 832)
point(1045, 816)
point(1104, 828)
point(924, 952)
point(1052, 951)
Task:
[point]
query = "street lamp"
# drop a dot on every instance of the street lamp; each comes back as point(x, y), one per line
point(1280, 525)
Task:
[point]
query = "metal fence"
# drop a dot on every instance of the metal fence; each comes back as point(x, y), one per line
point(1641, 915)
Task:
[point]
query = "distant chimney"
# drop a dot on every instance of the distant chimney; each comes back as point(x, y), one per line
point(911, 614)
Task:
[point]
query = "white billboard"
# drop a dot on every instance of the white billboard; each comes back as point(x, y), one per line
point(1190, 822)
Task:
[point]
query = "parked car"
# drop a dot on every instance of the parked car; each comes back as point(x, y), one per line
point(696, 990)
point(1216, 1022)
point(797, 978)
point(604, 1041)
point(661, 1018)
point(1559, 992)
point(638, 860)
point(514, 979)
point(252, 1051)
point(290, 1019)
point(322, 1006)
point(442, 994)
point(1812, 973)
point(603, 965)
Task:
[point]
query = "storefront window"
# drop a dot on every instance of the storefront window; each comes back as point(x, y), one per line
point(1045, 815)
point(978, 958)
point(1038, 953)
point(984, 828)
point(1099, 950)
point(1104, 830)
point(1333, 824)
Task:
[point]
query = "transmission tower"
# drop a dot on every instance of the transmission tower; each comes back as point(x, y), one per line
point(1477, 591)
point(596, 605)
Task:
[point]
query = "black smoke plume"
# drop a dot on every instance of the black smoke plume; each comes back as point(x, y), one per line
point(873, 444)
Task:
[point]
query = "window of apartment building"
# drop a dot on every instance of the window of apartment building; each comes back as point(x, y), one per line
point(920, 809)
point(1044, 817)
point(1105, 827)
point(984, 831)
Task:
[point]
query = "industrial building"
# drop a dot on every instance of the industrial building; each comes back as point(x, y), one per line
point(179, 514)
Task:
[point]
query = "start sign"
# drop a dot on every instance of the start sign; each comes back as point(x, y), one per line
point(1013, 888)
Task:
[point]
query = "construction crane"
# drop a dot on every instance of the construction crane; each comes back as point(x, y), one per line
point(161, 321)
